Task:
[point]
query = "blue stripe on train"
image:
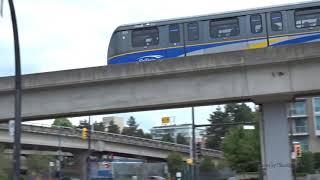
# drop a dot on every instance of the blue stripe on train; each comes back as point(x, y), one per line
point(148, 56)
point(190, 49)
point(299, 40)
point(164, 54)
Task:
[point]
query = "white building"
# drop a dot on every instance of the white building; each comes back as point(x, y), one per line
point(185, 130)
point(116, 120)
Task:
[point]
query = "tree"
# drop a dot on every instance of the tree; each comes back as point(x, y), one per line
point(113, 128)
point(241, 149)
point(181, 139)
point(147, 135)
point(207, 164)
point(232, 113)
point(140, 133)
point(306, 163)
point(175, 163)
point(38, 163)
point(215, 133)
point(316, 158)
point(167, 138)
point(99, 126)
point(132, 129)
point(5, 165)
point(62, 122)
point(239, 112)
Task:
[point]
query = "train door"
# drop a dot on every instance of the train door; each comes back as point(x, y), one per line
point(226, 34)
point(304, 25)
point(277, 28)
point(257, 31)
point(175, 41)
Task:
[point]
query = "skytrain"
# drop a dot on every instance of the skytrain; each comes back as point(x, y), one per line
point(215, 33)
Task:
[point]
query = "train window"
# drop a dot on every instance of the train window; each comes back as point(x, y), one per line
point(256, 24)
point(307, 18)
point(220, 28)
point(174, 33)
point(276, 21)
point(193, 31)
point(145, 37)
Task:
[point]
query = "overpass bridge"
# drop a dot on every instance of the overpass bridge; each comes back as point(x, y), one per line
point(270, 77)
point(70, 140)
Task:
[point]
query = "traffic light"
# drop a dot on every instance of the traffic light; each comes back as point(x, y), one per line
point(84, 133)
point(198, 149)
point(297, 150)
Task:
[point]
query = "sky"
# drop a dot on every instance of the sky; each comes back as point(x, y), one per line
point(68, 34)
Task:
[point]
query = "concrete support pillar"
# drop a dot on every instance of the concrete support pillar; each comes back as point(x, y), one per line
point(275, 147)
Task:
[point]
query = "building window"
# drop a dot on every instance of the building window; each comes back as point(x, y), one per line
point(276, 21)
point(256, 24)
point(317, 105)
point(301, 125)
point(145, 37)
point(317, 112)
point(318, 122)
point(306, 18)
point(193, 31)
point(221, 28)
point(297, 108)
point(174, 33)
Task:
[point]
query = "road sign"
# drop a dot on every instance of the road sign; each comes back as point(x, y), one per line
point(165, 120)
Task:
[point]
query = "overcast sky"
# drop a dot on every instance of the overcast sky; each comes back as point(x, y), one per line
point(68, 34)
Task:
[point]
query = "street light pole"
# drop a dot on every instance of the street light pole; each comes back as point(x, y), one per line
point(17, 110)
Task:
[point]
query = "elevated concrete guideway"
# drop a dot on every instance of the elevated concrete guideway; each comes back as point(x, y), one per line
point(70, 139)
point(258, 75)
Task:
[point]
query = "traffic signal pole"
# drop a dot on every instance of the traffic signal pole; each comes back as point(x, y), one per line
point(89, 149)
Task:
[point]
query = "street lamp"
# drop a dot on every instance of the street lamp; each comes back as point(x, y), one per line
point(17, 109)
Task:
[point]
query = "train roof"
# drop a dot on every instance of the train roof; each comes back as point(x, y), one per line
point(220, 15)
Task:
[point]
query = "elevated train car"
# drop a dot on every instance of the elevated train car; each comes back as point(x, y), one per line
point(232, 31)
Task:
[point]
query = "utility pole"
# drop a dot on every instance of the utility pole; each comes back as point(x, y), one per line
point(17, 109)
point(60, 157)
point(89, 149)
point(194, 161)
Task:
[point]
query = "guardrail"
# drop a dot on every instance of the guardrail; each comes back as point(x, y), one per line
point(117, 138)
